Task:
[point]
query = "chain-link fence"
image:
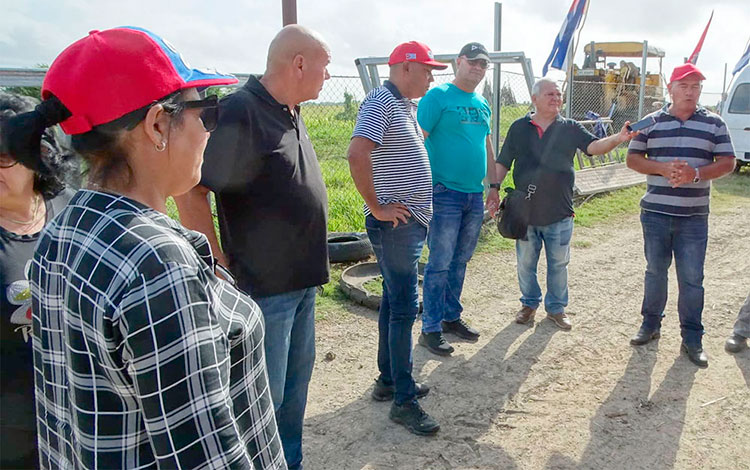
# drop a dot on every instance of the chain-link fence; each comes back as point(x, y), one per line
point(330, 121)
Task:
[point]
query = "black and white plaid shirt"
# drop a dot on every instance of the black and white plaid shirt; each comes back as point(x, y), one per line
point(143, 358)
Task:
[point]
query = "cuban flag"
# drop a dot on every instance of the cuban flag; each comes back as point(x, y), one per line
point(558, 58)
point(744, 60)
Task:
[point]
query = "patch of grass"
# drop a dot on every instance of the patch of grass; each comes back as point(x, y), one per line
point(606, 206)
point(725, 190)
point(344, 201)
point(374, 286)
point(331, 302)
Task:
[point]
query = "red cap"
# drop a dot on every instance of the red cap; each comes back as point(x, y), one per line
point(414, 51)
point(685, 70)
point(111, 73)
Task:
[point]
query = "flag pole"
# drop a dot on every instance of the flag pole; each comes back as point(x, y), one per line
point(569, 91)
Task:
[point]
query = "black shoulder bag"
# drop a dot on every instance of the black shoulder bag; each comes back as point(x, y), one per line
point(515, 212)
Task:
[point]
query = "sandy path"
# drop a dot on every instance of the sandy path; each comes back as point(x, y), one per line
point(537, 397)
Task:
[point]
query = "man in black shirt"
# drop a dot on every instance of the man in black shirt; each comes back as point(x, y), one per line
point(272, 210)
point(542, 145)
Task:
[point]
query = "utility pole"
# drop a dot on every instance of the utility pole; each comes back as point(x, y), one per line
point(288, 12)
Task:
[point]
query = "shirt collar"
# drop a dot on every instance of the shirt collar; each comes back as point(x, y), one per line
point(699, 111)
point(254, 86)
point(393, 89)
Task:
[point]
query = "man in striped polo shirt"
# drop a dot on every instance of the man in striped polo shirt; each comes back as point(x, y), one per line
point(390, 168)
point(686, 148)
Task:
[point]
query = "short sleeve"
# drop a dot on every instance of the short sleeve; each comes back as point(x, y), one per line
point(372, 121)
point(230, 161)
point(429, 110)
point(722, 141)
point(583, 137)
point(639, 143)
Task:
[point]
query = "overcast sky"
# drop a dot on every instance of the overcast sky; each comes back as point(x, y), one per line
point(234, 35)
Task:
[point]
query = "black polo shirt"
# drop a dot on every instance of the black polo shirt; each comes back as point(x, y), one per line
point(270, 195)
point(547, 162)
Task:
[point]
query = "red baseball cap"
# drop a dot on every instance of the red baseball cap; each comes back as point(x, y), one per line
point(685, 70)
point(414, 51)
point(111, 73)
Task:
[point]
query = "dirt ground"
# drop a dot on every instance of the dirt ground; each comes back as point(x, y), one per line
point(540, 398)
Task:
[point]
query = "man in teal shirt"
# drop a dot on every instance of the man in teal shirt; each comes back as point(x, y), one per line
point(456, 124)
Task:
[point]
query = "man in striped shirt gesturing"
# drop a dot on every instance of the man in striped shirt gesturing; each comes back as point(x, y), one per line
point(390, 168)
point(686, 148)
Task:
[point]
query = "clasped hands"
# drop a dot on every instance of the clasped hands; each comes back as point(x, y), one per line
point(679, 172)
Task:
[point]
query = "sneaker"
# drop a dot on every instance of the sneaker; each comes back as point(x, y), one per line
point(436, 343)
point(413, 417)
point(384, 392)
point(461, 329)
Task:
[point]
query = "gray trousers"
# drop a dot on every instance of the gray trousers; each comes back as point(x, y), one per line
point(742, 325)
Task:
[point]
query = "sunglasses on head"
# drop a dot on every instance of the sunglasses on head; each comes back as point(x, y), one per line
point(209, 113)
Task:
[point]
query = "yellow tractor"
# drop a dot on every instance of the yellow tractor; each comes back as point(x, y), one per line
point(612, 89)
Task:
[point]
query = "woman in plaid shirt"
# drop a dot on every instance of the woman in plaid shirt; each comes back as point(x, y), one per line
point(143, 357)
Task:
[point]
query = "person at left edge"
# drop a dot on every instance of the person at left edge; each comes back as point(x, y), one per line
point(456, 124)
point(31, 193)
point(143, 357)
point(272, 208)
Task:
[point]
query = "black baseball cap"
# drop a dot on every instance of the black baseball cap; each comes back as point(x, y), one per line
point(474, 50)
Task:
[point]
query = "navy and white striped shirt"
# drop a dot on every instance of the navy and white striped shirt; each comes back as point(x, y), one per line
point(400, 166)
point(697, 141)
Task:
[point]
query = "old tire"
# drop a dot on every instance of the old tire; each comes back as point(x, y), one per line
point(346, 247)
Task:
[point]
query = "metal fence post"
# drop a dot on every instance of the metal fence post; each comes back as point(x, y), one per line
point(642, 91)
point(497, 102)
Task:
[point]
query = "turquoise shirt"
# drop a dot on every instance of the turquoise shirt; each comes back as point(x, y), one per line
point(458, 124)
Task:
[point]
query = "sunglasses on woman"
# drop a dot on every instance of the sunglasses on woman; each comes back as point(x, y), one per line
point(209, 113)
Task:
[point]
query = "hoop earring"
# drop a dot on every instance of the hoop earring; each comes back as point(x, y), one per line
point(161, 147)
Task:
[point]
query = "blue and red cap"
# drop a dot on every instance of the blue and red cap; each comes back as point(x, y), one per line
point(111, 73)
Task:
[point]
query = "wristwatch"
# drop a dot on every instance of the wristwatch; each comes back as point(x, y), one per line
point(697, 176)
point(494, 185)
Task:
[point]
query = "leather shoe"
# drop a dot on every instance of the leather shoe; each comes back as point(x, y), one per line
point(461, 329)
point(561, 320)
point(435, 342)
point(645, 335)
point(696, 355)
point(735, 343)
point(525, 315)
point(384, 392)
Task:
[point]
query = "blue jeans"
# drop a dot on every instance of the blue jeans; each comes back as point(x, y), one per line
point(290, 356)
point(397, 250)
point(686, 239)
point(742, 325)
point(453, 235)
point(556, 240)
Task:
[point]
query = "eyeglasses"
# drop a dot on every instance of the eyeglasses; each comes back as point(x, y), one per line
point(481, 63)
point(6, 161)
point(209, 115)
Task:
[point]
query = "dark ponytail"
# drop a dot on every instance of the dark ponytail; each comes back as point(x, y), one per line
point(22, 133)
